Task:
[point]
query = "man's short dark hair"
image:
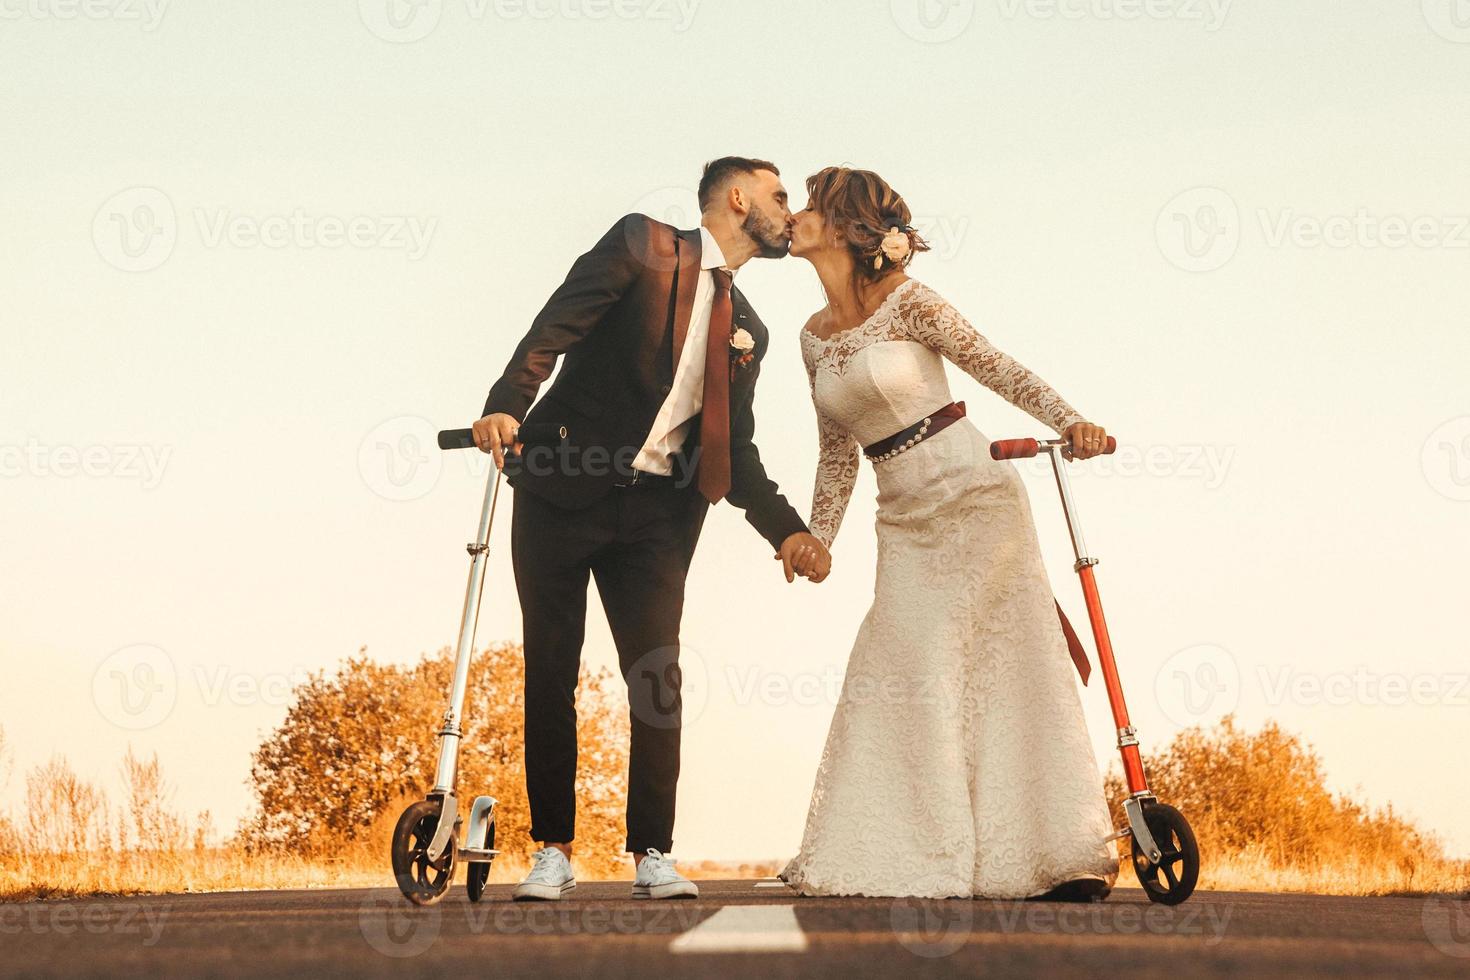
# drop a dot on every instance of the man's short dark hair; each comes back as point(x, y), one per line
point(717, 174)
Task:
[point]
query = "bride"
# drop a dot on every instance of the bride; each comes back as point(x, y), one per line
point(958, 761)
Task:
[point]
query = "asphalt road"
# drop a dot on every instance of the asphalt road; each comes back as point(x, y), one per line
point(735, 929)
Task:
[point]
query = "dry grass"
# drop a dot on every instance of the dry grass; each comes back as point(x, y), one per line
point(1257, 802)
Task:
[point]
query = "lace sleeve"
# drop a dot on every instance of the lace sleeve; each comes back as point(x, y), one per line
point(837, 465)
point(933, 322)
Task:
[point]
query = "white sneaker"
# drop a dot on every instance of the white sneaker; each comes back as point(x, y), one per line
point(550, 877)
point(657, 879)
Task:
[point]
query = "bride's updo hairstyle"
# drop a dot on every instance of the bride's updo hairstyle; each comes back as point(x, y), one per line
point(870, 216)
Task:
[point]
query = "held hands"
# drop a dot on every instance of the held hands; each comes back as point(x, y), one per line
point(495, 434)
point(802, 554)
point(1085, 440)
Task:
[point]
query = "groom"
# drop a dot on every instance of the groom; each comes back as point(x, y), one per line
point(661, 355)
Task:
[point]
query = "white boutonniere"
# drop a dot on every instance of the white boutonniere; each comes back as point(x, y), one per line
point(742, 348)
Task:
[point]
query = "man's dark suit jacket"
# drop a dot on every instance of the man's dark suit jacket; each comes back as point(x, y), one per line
point(620, 320)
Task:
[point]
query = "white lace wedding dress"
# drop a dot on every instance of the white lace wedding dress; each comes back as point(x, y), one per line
point(958, 762)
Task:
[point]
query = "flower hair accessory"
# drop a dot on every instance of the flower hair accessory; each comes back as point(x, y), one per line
point(895, 246)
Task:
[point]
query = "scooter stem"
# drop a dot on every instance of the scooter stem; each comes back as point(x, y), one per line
point(1127, 735)
point(450, 732)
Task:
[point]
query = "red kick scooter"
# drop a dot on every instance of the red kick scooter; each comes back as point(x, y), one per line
point(1165, 855)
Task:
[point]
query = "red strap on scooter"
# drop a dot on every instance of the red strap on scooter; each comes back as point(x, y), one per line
point(1074, 646)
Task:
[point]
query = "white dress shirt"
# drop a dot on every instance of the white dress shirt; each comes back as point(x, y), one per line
point(686, 397)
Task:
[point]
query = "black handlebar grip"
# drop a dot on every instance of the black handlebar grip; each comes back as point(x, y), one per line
point(535, 434)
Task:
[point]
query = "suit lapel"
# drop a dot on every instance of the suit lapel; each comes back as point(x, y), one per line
point(686, 277)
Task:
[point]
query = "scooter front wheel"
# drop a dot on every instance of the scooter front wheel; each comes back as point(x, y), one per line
point(422, 881)
point(1172, 880)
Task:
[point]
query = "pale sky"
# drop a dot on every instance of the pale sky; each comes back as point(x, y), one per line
point(254, 250)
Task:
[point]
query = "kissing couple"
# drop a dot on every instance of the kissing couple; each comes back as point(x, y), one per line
point(972, 773)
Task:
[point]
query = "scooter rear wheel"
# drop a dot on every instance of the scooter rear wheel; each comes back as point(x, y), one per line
point(422, 881)
point(1172, 880)
point(477, 873)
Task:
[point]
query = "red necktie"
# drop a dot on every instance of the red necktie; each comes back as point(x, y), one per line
point(714, 423)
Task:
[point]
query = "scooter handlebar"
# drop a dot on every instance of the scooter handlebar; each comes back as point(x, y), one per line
point(535, 434)
point(1026, 448)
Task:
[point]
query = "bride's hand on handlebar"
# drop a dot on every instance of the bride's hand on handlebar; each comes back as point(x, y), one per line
point(495, 434)
point(1084, 440)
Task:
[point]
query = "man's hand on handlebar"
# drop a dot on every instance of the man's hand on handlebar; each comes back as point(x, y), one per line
point(495, 434)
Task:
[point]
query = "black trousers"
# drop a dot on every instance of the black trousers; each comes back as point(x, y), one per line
point(637, 543)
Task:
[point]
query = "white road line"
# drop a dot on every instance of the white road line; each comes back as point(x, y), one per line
point(745, 929)
point(770, 884)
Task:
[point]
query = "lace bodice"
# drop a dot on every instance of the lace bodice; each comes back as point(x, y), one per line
point(881, 376)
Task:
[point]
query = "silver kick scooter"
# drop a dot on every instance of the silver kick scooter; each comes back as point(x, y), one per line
point(424, 846)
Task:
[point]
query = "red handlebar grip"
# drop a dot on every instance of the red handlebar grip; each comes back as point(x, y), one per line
point(1014, 449)
point(1112, 446)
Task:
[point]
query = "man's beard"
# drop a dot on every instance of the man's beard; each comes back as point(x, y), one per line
point(769, 237)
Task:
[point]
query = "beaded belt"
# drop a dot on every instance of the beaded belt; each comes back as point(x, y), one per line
point(931, 425)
